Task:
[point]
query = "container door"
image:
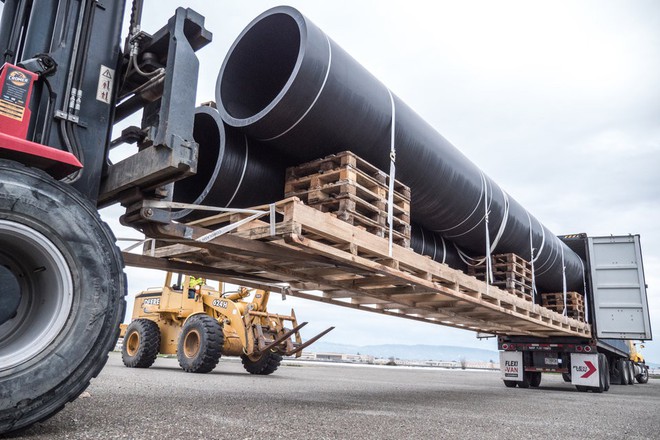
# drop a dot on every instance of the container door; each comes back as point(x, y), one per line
point(619, 289)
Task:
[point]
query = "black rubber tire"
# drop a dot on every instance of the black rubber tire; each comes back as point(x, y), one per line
point(266, 364)
point(617, 374)
point(535, 379)
point(209, 337)
point(643, 377)
point(42, 384)
point(526, 380)
point(625, 372)
point(510, 383)
point(602, 369)
point(566, 377)
point(606, 372)
point(631, 373)
point(581, 388)
point(148, 344)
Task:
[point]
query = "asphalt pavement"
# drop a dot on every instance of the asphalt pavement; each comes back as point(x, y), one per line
point(333, 401)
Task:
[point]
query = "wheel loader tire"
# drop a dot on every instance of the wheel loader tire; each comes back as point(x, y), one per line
point(200, 344)
point(61, 260)
point(266, 364)
point(141, 344)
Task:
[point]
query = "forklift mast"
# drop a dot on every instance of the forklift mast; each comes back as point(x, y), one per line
point(87, 80)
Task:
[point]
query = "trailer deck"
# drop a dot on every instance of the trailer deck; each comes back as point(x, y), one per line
point(294, 249)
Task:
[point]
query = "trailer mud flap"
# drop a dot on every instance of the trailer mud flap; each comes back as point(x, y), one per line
point(584, 370)
point(511, 365)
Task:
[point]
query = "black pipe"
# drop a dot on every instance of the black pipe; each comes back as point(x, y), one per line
point(435, 246)
point(233, 171)
point(285, 83)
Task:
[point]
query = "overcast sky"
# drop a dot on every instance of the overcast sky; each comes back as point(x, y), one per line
point(558, 101)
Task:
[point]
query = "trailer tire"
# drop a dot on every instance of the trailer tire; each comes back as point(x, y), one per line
point(643, 377)
point(535, 379)
point(62, 261)
point(566, 377)
point(631, 372)
point(581, 388)
point(526, 380)
point(618, 373)
point(510, 383)
point(200, 344)
point(624, 371)
point(141, 344)
point(603, 374)
point(266, 364)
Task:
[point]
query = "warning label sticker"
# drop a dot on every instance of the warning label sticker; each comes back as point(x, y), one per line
point(106, 81)
point(14, 94)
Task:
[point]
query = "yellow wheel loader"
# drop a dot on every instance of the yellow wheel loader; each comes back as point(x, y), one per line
point(200, 323)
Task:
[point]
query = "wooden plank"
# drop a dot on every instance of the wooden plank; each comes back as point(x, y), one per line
point(311, 253)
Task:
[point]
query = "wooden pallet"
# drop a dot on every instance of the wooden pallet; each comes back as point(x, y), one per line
point(354, 190)
point(574, 303)
point(511, 272)
point(324, 259)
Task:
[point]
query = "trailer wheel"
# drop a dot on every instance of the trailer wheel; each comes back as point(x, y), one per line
point(266, 364)
point(535, 379)
point(526, 380)
point(141, 344)
point(603, 372)
point(60, 265)
point(566, 377)
point(200, 344)
point(625, 372)
point(618, 376)
point(643, 377)
point(581, 388)
point(510, 383)
point(631, 372)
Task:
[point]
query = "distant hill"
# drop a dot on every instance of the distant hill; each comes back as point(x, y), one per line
point(410, 352)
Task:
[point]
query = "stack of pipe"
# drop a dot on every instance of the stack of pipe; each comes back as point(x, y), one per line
point(299, 96)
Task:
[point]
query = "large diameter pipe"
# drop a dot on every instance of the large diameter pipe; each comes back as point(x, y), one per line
point(237, 172)
point(287, 84)
point(233, 171)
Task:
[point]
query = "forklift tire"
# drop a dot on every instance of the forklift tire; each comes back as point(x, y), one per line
point(141, 344)
point(264, 365)
point(60, 259)
point(510, 383)
point(200, 344)
point(535, 379)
